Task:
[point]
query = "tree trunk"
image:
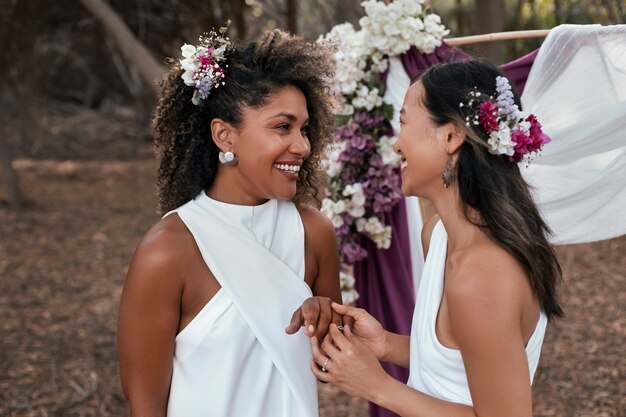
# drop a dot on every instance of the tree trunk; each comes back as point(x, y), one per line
point(608, 5)
point(621, 11)
point(489, 17)
point(131, 48)
point(557, 12)
point(239, 18)
point(10, 176)
point(292, 16)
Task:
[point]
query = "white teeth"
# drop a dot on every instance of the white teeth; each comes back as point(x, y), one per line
point(288, 168)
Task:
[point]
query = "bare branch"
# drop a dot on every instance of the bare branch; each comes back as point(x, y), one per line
point(131, 48)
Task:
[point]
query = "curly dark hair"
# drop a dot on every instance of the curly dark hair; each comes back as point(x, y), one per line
point(188, 155)
point(492, 184)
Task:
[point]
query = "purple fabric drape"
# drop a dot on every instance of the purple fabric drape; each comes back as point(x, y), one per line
point(384, 279)
point(415, 62)
point(517, 70)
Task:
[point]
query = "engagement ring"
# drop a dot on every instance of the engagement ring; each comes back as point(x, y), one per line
point(324, 366)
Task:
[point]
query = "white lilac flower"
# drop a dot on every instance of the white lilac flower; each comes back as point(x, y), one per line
point(505, 100)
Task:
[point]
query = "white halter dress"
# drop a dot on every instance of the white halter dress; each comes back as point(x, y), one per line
point(234, 358)
point(435, 369)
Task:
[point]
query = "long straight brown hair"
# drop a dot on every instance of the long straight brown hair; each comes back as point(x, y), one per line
point(492, 184)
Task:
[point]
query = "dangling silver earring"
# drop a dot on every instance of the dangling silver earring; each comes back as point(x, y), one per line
point(228, 158)
point(448, 173)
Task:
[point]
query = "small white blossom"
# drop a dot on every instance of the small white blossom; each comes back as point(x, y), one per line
point(356, 211)
point(333, 166)
point(328, 209)
point(188, 51)
point(384, 147)
point(500, 141)
point(393, 28)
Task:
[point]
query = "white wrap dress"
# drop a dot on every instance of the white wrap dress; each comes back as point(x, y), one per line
point(435, 369)
point(234, 358)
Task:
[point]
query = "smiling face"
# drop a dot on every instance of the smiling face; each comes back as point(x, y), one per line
point(420, 145)
point(271, 144)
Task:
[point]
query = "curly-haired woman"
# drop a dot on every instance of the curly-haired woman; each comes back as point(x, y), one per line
point(489, 282)
point(240, 131)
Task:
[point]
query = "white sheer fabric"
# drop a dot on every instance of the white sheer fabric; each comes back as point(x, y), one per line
point(577, 88)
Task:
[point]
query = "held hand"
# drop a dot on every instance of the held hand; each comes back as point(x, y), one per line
point(364, 328)
point(346, 362)
point(315, 314)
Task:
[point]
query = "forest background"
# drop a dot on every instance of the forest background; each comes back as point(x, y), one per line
point(77, 174)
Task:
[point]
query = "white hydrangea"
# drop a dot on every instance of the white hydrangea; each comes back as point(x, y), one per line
point(350, 57)
point(500, 141)
point(384, 147)
point(393, 28)
point(367, 99)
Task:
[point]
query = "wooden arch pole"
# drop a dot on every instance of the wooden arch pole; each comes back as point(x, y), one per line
point(500, 36)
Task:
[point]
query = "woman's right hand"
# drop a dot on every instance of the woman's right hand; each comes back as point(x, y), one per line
point(366, 329)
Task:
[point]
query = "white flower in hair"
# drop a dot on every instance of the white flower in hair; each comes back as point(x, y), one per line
point(500, 141)
point(202, 65)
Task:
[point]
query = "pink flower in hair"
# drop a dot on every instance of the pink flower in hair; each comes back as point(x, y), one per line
point(488, 116)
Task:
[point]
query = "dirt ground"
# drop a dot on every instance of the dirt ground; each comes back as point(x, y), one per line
point(64, 256)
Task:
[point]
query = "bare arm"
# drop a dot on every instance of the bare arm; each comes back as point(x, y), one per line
point(484, 312)
point(148, 321)
point(321, 242)
point(322, 274)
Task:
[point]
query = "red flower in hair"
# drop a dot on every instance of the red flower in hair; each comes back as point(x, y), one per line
point(488, 116)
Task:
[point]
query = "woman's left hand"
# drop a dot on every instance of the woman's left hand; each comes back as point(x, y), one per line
point(346, 362)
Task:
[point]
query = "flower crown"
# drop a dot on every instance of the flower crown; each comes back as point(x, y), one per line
point(204, 64)
point(511, 132)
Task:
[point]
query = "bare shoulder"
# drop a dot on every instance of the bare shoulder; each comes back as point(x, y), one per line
point(317, 227)
point(485, 280)
point(162, 253)
point(427, 231)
